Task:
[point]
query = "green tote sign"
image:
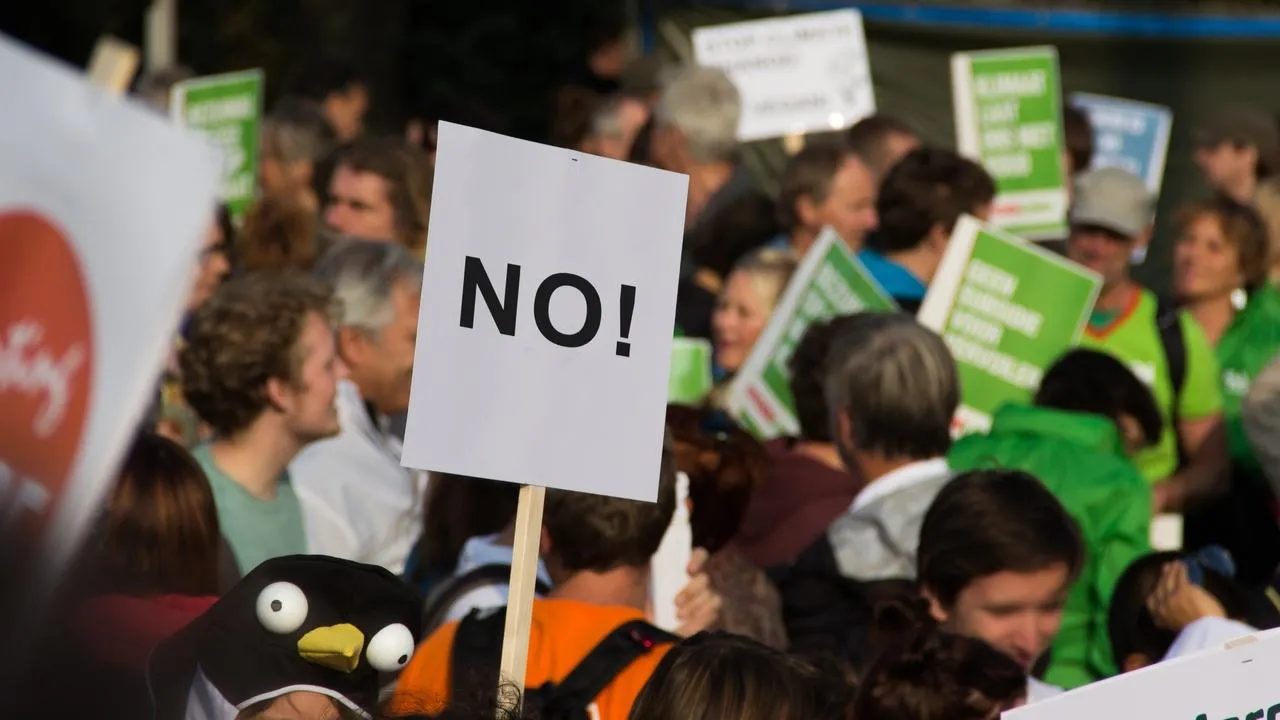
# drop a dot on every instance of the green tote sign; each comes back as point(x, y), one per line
point(1007, 310)
point(227, 109)
point(1008, 112)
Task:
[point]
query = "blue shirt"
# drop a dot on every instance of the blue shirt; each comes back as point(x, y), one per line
point(896, 280)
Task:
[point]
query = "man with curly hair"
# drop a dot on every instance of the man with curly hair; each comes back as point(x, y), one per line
point(260, 367)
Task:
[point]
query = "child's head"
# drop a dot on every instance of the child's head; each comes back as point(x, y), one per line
point(1136, 640)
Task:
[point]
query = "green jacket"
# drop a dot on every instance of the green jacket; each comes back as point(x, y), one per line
point(1248, 345)
point(1080, 458)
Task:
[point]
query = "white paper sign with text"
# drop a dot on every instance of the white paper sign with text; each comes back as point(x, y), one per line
point(1237, 682)
point(548, 308)
point(798, 74)
point(103, 208)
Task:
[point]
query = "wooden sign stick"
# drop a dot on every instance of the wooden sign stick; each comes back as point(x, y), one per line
point(523, 584)
point(113, 65)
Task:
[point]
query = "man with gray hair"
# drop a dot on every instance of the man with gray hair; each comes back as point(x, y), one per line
point(358, 502)
point(892, 390)
point(614, 126)
point(696, 133)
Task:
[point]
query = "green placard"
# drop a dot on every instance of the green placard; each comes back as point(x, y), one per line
point(829, 281)
point(228, 110)
point(690, 379)
point(1008, 109)
point(1008, 309)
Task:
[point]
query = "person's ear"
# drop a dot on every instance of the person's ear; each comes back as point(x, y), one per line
point(354, 345)
point(806, 211)
point(279, 394)
point(937, 239)
point(1131, 432)
point(936, 611)
point(1143, 240)
point(844, 430)
point(1135, 661)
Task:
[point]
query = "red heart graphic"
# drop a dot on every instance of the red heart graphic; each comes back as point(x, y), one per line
point(46, 366)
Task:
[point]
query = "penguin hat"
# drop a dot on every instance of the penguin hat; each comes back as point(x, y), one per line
point(302, 623)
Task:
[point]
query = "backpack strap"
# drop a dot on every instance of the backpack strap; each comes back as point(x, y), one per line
point(444, 595)
point(476, 654)
point(621, 647)
point(1174, 343)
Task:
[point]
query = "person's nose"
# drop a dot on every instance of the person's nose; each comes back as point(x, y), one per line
point(335, 216)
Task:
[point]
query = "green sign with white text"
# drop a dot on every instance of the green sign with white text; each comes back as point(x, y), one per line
point(1007, 310)
point(690, 379)
point(227, 109)
point(1008, 112)
point(829, 282)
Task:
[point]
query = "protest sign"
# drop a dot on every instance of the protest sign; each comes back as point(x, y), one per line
point(1007, 309)
point(798, 74)
point(227, 109)
point(828, 282)
point(1128, 134)
point(690, 378)
point(544, 337)
point(1009, 117)
point(1235, 681)
point(103, 207)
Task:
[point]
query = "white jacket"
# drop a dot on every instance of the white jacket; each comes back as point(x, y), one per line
point(357, 502)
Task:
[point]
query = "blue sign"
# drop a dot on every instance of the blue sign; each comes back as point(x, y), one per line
point(1128, 134)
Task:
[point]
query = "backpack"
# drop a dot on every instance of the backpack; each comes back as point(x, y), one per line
point(477, 652)
point(443, 596)
point(1174, 344)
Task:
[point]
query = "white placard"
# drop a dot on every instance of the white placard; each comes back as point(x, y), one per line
point(527, 369)
point(669, 567)
point(103, 208)
point(798, 74)
point(1236, 681)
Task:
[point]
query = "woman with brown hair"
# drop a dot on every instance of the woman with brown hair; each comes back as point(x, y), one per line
point(279, 233)
point(1220, 264)
point(725, 465)
point(157, 559)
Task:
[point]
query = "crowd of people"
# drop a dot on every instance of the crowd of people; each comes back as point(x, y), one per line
point(263, 554)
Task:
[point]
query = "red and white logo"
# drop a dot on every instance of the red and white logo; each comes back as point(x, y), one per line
point(46, 364)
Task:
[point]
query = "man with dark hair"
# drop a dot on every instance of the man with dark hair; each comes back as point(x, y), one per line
point(1089, 413)
point(997, 555)
point(1078, 135)
point(260, 368)
point(920, 200)
point(343, 93)
point(597, 551)
point(1235, 150)
point(881, 141)
point(824, 185)
point(381, 190)
point(806, 486)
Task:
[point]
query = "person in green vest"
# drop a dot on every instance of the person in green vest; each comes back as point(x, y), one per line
point(1088, 416)
point(1111, 226)
point(1220, 266)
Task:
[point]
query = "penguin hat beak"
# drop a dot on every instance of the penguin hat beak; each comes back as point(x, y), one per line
point(336, 647)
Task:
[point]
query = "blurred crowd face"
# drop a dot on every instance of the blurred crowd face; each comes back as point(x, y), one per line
point(740, 316)
point(212, 268)
point(345, 111)
point(308, 405)
point(360, 205)
point(1225, 166)
point(1103, 251)
point(1017, 613)
point(382, 362)
point(850, 207)
point(896, 147)
point(1205, 263)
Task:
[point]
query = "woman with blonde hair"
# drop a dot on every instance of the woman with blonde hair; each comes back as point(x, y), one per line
point(746, 303)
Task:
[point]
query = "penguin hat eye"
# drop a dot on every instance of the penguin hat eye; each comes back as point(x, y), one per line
point(391, 648)
point(282, 607)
